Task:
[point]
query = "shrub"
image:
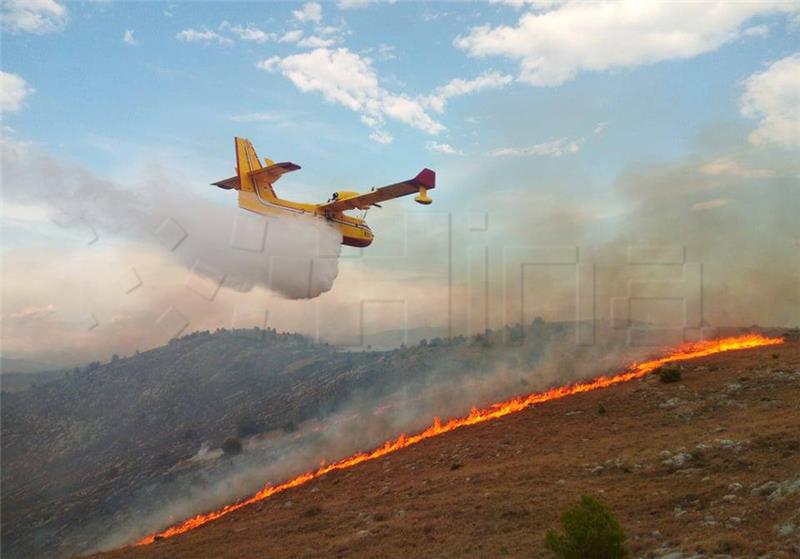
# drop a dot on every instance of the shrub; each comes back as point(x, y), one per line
point(590, 532)
point(669, 373)
point(232, 445)
point(246, 426)
point(601, 409)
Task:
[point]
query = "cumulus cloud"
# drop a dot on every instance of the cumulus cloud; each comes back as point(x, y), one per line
point(248, 33)
point(554, 148)
point(553, 45)
point(381, 137)
point(13, 91)
point(309, 12)
point(315, 42)
point(33, 16)
point(458, 87)
point(348, 79)
point(202, 35)
point(773, 97)
point(291, 36)
point(129, 39)
point(446, 149)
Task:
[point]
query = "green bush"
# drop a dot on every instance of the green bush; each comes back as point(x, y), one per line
point(669, 373)
point(590, 532)
point(247, 426)
point(232, 445)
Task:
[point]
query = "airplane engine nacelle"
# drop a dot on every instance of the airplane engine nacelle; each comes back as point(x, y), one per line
point(344, 194)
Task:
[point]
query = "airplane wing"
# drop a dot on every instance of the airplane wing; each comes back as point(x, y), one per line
point(273, 172)
point(227, 184)
point(424, 180)
point(265, 175)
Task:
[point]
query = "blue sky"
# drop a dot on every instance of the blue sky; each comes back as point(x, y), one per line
point(92, 87)
point(538, 109)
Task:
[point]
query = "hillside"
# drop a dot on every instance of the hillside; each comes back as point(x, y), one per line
point(708, 465)
point(87, 453)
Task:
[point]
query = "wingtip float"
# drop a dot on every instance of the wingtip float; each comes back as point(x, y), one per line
point(254, 182)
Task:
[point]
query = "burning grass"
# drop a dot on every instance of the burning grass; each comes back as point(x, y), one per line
point(495, 411)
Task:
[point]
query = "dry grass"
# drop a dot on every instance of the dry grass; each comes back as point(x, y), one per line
point(516, 476)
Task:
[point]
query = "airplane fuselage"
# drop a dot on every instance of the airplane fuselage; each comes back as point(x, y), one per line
point(355, 231)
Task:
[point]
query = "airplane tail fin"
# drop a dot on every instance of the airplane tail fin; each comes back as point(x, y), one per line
point(246, 162)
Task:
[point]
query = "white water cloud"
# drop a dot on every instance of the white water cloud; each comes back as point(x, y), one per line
point(33, 16)
point(13, 92)
point(552, 46)
point(221, 246)
point(773, 97)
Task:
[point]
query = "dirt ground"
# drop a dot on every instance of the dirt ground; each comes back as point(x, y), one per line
point(709, 465)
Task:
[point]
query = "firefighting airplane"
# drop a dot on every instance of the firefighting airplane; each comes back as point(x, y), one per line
point(254, 183)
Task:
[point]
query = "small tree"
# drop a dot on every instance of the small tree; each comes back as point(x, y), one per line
point(247, 426)
point(669, 374)
point(590, 532)
point(232, 445)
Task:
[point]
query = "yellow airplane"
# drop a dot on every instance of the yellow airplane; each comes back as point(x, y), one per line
point(254, 183)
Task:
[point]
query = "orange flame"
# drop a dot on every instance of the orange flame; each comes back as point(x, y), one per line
point(495, 411)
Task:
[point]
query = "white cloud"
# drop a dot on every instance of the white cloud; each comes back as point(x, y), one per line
point(13, 91)
point(315, 42)
point(381, 136)
point(554, 148)
point(345, 78)
point(553, 45)
point(311, 11)
point(517, 4)
point(291, 36)
point(446, 149)
point(33, 16)
point(129, 39)
point(203, 35)
point(254, 117)
point(458, 86)
point(600, 128)
point(249, 33)
point(355, 4)
point(756, 31)
point(729, 167)
point(711, 204)
point(773, 97)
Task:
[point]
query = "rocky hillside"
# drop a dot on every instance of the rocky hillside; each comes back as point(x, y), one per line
point(78, 451)
point(707, 466)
